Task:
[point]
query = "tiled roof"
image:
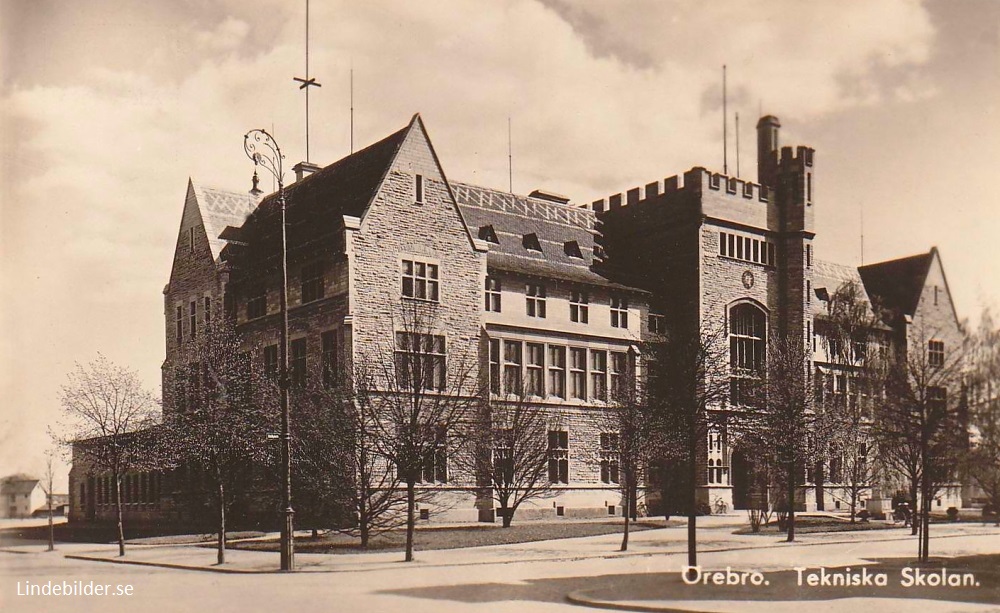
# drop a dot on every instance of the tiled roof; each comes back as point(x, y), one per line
point(221, 208)
point(831, 276)
point(514, 216)
point(897, 284)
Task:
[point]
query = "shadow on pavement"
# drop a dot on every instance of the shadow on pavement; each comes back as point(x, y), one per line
point(783, 585)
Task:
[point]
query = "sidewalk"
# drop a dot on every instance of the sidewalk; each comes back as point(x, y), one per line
point(714, 535)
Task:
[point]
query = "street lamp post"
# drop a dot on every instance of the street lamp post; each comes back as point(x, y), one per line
point(264, 151)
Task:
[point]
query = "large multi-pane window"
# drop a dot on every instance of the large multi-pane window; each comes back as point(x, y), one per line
point(935, 353)
point(578, 373)
point(557, 371)
point(420, 280)
point(257, 304)
point(748, 249)
point(619, 312)
point(535, 300)
point(312, 282)
point(609, 457)
point(492, 295)
point(495, 366)
point(297, 364)
point(271, 361)
point(558, 456)
point(718, 471)
point(619, 373)
point(578, 307)
point(747, 328)
point(512, 361)
point(536, 369)
point(420, 361)
point(599, 374)
point(434, 467)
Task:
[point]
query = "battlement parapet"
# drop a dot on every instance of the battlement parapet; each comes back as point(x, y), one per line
point(697, 180)
point(801, 158)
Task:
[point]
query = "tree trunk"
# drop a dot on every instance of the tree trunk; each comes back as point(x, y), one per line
point(410, 519)
point(118, 505)
point(925, 525)
point(692, 532)
point(221, 557)
point(627, 513)
point(913, 506)
point(854, 503)
point(507, 516)
point(52, 530)
point(791, 502)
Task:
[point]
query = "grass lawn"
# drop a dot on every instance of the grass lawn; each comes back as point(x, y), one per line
point(455, 537)
point(814, 525)
point(108, 533)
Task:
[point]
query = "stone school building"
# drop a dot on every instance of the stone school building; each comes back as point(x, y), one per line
point(552, 297)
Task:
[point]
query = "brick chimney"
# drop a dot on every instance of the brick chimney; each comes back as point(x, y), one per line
point(304, 169)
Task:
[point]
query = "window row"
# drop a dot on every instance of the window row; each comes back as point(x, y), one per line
point(312, 287)
point(579, 305)
point(197, 309)
point(747, 249)
point(136, 488)
point(556, 371)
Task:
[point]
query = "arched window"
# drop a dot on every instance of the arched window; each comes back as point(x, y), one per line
point(747, 352)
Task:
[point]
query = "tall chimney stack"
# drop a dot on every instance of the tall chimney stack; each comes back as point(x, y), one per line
point(767, 150)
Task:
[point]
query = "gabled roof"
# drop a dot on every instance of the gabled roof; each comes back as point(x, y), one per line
point(830, 276)
point(220, 208)
point(897, 284)
point(18, 486)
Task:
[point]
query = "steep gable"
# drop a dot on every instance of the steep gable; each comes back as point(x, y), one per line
point(897, 284)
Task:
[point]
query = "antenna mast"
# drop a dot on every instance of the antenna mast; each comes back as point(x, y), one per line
point(307, 82)
point(862, 233)
point(510, 160)
point(352, 106)
point(737, 144)
point(725, 126)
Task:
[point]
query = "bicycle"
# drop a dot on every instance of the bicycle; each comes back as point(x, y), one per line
point(719, 506)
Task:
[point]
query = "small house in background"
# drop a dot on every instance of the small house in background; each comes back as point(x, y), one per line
point(20, 495)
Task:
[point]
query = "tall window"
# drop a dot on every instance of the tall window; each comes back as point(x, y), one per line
point(535, 300)
point(179, 324)
point(657, 323)
point(298, 363)
point(746, 352)
point(619, 312)
point(718, 471)
point(578, 373)
point(435, 462)
point(579, 307)
point(312, 282)
point(193, 317)
point(420, 361)
point(257, 304)
point(271, 361)
point(558, 456)
point(536, 369)
point(599, 374)
point(619, 366)
point(512, 361)
point(609, 457)
point(420, 280)
point(557, 371)
point(935, 353)
point(418, 189)
point(329, 340)
point(207, 317)
point(493, 294)
point(495, 366)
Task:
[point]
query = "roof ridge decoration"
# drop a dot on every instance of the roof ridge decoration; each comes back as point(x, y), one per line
point(525, 206)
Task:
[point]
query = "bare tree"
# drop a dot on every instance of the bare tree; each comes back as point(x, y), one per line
point(424, 397)
point(920, 429)
point(982, 463)
point(48, 485)
point(688, 384)
point(109, 420)
point(509, 452)
point(221, 430)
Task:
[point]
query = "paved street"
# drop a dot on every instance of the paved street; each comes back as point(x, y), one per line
point(489, 579)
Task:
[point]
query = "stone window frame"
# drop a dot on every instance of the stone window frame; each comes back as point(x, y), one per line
point(534, 300)
point(935, 353)
point(431, 278)
point(579, 307)
point(419, 189)
point(298, 363)
point(558, 455)
point(436, 351)
point(312, 282)
point(609, 457)
point(619, 312)
point(493, 297)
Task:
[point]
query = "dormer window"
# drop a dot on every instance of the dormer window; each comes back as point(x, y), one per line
point(530, 242)
point(572, 249)
point(488, 234)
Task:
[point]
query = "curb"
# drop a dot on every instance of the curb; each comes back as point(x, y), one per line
point(580, 599)
point(236, 571)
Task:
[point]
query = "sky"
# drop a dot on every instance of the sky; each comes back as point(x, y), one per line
point(107, 107)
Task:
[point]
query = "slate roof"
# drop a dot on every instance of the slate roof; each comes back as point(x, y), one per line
point(897, 284)
point(220, 208)
point(831, 276)
point(513, 216)
point(19, 486)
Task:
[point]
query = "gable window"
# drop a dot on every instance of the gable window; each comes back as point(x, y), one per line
point(420, 280)
point(578, 307)
point(330, 374)
point(558, 456)
point(418, 189)
point(193, 318)
point(312, 282)
point(257, 305)
point(271, 361)
point(619, 312)
point(609, 457)
point(488, 234)
point(179, 324)
point(599, 374)
point(530, 242)
point(493, 294)
point(535, 300)
point(512, 367)
point(536, 369)
point(298, 363)
point(557, 371)
point(572, 249)
point(578, 373)
point(495, 366)
point(935, 353)
point(420, 361)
